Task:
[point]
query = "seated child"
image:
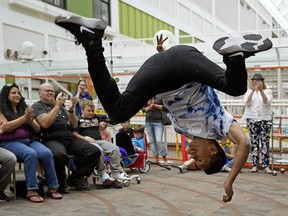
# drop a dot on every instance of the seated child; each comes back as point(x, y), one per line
point(139, 140)
point(128, 153)
point(126, 127)
point(88, 129)
point(230, 151)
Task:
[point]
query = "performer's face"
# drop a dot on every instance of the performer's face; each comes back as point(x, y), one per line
point(201, 151)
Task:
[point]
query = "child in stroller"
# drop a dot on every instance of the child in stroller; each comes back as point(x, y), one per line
point(134, 158)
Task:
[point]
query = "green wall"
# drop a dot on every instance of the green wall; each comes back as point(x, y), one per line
point(185, 39)
point(83, 7)
point(137, 24)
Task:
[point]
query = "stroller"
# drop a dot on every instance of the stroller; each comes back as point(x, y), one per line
point(131, 159)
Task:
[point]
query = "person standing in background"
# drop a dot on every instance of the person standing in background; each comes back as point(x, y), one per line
point(80, 94)
point(258, 114)
point(155, 128)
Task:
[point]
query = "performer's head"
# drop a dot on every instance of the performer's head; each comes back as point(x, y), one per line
point(208, 154)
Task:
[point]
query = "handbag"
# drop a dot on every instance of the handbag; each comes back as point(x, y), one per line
point(165, 118)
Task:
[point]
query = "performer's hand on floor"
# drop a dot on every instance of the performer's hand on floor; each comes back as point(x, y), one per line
point(229, 193)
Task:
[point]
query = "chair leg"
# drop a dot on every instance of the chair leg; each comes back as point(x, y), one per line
point(70, 164)
point(14, 182)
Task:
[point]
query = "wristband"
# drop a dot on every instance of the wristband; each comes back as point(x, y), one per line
point(71, 111)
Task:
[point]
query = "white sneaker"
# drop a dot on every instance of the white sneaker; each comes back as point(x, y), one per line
point(248, 44)
point(254, 169)
point(225, 168)
point(268, 170)
point(104, 175)
point(182, 168)
point(237, 54)
point(117, 175)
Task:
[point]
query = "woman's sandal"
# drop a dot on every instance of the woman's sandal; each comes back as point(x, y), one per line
point(39, 198)
point(54, 195)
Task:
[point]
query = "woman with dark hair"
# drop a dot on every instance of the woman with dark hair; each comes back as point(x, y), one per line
point(18, 136)
point(80, 94)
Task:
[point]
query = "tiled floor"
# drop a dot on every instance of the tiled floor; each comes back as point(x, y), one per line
point(167, 192)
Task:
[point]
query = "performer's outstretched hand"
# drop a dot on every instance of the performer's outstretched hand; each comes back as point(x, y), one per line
point(160, 42)
point(229, 192)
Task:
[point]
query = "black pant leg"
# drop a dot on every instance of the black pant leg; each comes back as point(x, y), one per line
point(61, 159)
point(88, 156)
point(162, 72)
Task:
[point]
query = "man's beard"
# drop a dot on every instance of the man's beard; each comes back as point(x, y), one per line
point(51, 101)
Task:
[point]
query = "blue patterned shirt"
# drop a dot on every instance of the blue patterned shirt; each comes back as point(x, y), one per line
point(195, 110)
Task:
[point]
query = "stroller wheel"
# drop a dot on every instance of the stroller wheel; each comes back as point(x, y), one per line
point(138, 180)
point(145, 169)
point(126, 183)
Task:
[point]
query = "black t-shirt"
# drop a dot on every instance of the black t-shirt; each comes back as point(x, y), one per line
point(154, 115)
point(130, 132)
point(89, 127)
point(61, 125)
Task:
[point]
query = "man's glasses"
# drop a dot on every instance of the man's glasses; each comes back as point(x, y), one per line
point(48, 90)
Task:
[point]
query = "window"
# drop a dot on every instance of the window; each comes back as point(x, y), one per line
point(102, 10)
point(57, 3)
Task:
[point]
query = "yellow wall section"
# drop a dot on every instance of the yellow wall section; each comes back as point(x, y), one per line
point(137, 24)
point(83, 8)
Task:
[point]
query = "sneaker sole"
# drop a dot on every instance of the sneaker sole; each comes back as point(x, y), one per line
point(251, 43)
point(90, 23)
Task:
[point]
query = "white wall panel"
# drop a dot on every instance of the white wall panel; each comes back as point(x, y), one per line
point(14, 36)
point(196, 22)
point(205, 5)
point(153, 3)
point(184, 14)
point(227, 13)
point(168, 6)
point(207, 27)
point(247, 18)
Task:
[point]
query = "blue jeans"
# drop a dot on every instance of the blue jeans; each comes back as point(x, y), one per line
point(155, 132)
point(30, 152)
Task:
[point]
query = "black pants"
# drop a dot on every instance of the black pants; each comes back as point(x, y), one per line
point(88, 156)
point(259, 132)
point(162, 72)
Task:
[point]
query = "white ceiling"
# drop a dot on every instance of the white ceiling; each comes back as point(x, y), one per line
point(279, 10)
